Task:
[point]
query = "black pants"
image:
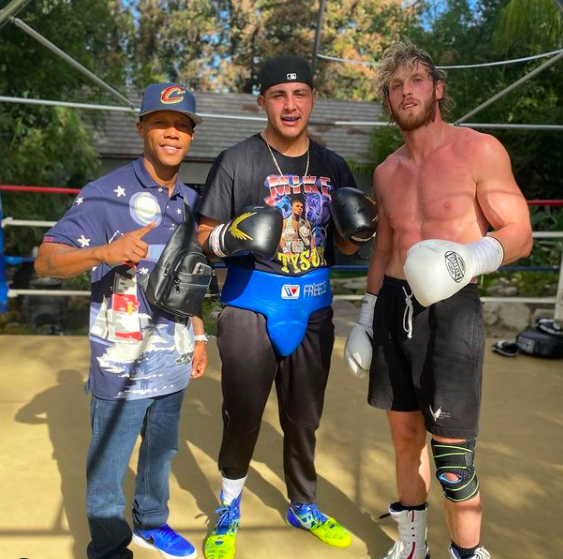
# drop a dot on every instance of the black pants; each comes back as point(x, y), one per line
point(249, 367)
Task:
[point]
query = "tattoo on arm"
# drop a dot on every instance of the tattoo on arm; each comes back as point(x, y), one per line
point(51, 268)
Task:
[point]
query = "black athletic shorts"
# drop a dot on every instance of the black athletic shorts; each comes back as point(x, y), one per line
point(429, 359)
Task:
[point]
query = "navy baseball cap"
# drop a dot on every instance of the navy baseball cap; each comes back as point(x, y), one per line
point(285, 68)
point(169, 97)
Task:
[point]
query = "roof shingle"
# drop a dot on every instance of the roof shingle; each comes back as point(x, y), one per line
point(117, 137)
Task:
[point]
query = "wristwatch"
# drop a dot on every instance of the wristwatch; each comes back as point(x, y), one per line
point(200, 338)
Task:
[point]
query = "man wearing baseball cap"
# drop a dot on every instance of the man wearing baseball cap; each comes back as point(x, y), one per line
point(169, 97)
point(276, 326)
point(141, 358)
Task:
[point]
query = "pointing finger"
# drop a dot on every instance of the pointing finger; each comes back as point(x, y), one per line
point(140, 233)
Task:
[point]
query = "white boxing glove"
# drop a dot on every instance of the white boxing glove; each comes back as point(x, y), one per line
point(358, 348)
point(437, 269)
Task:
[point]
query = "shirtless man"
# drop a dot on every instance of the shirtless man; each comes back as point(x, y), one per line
point(437, 196)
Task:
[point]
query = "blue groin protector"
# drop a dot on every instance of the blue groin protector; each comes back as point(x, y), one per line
point(285, 301)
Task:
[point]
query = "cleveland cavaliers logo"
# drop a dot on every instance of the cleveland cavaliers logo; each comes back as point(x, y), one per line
point(455, 265)
point(173, 94)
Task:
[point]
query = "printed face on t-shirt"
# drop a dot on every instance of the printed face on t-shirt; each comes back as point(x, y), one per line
point(305, 206)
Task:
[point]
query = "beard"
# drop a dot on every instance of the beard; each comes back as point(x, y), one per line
point(426, 116)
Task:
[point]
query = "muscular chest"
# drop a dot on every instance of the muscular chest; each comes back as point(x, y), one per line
point(442, 188)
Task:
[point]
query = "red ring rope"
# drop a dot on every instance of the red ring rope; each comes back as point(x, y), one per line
point(51, 189)
point(545, 202)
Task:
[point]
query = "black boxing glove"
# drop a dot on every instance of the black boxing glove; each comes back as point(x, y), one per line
point(254, 229)
point(354, 215)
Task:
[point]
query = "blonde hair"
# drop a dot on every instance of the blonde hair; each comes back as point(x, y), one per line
point(404, 54)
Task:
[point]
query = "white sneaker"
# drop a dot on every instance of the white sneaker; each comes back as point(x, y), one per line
point(480, 553)
point(413, 527)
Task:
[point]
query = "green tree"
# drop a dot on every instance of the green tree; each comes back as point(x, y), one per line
point(359, 31)
point(527, 27)
point(46, 145)
point(537, 24)
point(464, 32)
point(218, 45)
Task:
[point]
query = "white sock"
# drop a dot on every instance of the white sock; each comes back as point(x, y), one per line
point(232, 488)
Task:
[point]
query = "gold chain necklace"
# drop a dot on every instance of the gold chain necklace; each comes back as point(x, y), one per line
point(276, 161)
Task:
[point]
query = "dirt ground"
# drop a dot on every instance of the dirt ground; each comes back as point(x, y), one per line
point(45, 433)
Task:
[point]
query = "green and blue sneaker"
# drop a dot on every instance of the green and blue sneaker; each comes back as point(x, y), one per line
point(220, 544)
point(309, 517)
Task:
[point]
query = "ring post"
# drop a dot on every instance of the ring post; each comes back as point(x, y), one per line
point(3, 282)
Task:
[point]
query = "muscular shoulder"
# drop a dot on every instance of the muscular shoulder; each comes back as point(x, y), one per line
point(244, 149)
point(121, 173)
point(387, 169)
point(328, 155)
point(118, 177)
point(480, 147)
point(332, 165)
point(484, 152)
point(97, 189)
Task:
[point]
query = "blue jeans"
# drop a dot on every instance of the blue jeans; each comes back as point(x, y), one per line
point(116, 424)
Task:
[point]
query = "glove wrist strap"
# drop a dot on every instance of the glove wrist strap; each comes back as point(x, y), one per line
point(488, 254)
point(357, 240)
point(366, 311)
point(214, 241)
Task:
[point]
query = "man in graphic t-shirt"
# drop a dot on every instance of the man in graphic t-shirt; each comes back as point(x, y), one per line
point(277, 322)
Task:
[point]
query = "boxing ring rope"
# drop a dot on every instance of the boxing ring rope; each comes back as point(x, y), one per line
point(312, 122)
point(6, 293)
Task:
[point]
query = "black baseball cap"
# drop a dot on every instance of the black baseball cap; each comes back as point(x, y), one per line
point(285, 68)
point(169, 97)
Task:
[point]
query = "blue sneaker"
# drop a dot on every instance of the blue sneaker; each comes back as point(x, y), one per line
point(166, 541)
point(309, 517)
point(220, 544)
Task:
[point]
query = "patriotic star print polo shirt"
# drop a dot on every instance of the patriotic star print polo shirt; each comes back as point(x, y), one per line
point(137, 351)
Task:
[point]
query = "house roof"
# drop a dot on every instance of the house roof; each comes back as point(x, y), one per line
point(117, 137)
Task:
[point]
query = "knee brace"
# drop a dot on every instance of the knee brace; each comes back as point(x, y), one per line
point(455, 470)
